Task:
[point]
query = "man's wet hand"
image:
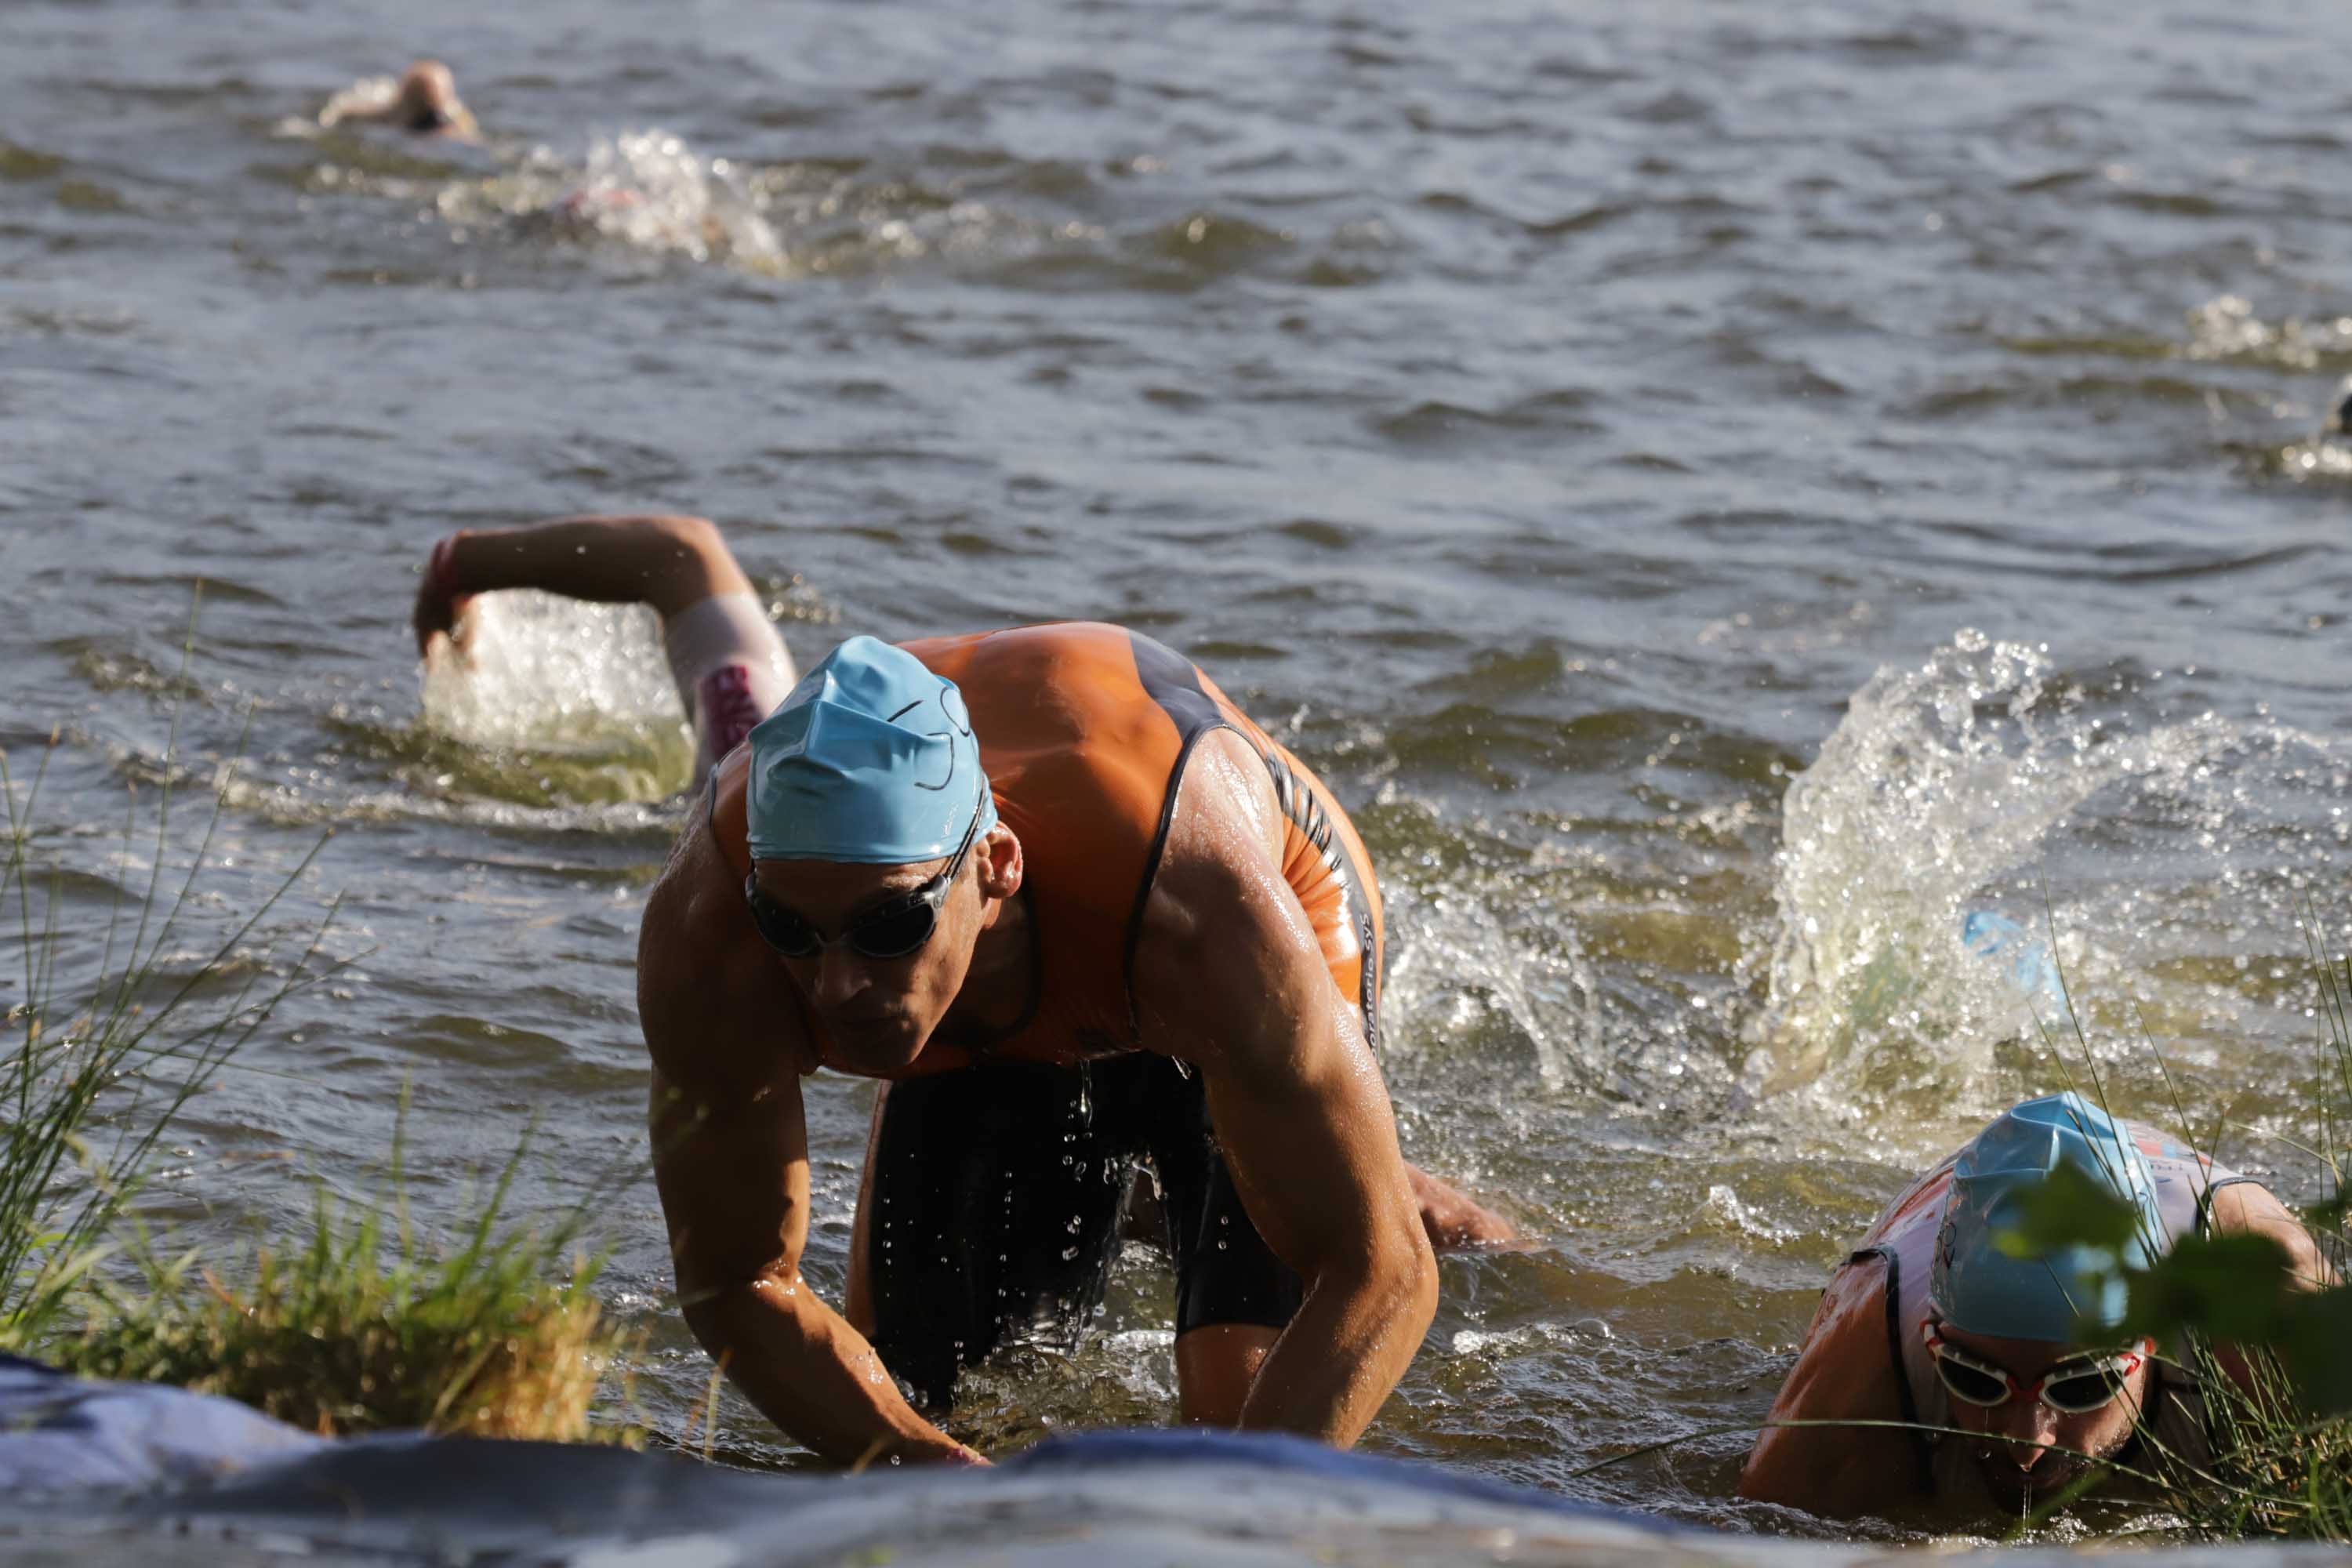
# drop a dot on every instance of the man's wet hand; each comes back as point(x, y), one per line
point(1454, 1219)
point(439, 604)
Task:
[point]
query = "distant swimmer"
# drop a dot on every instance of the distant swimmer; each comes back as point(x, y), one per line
point(424, 100)
point(1080, 912)
point(2338, 422)
point(1933, 1324)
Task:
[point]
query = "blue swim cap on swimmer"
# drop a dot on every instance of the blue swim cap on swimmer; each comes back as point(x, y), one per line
point(1975, 1286)
point(870, 759)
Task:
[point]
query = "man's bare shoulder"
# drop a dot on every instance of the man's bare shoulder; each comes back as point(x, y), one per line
point(1219, 908)
point(710, 996)
point(2251, 1206)
point(1844, 1372)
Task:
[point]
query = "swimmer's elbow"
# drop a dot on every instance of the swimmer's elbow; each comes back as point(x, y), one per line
point(697, 535)
point(1395, 1274)
point(717, 1309)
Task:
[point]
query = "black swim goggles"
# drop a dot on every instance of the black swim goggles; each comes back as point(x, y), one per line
point(892, 930)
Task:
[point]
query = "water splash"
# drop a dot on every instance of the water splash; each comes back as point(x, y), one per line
point(1942, 784)
point(580, 692)
point(2227, 329)
point(1460, 979)
point(648, 189)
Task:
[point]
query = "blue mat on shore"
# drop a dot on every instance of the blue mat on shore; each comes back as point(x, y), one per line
point(159, 1454)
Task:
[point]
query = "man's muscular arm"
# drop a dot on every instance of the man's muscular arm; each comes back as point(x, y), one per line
point(730, 1157)
point(1231, 977)
point(2251, 1206)
point(666, 561)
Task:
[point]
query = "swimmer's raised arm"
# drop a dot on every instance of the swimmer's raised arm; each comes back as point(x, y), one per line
point(666, 561)
point(730, 1159)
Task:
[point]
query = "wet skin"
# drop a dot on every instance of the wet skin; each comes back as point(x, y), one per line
point(881, 1012)
point(2029, 1452)
point(1844, 1374)
point(1228, 972)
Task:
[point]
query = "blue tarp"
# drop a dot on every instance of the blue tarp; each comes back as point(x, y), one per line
point(144, 1457)
point(58, 1433)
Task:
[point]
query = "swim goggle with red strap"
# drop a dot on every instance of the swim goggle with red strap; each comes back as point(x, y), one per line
point(2075, 1386)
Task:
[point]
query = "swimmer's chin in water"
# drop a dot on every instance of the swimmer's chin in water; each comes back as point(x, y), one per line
point(424, 102)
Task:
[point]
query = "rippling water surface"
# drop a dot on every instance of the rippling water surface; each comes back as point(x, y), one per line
point(1722, 491)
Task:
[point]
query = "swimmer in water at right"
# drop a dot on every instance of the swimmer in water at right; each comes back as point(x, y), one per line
point(1930, 1323)
point(424, 102)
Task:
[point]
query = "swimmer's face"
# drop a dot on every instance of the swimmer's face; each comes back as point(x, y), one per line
point(2339, 412)
point(2018, 1451)
point(881, 1013)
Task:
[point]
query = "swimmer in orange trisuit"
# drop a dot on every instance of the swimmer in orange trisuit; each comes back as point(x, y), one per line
point(1933, 1324)
point(1077, 912)
point(424, 100)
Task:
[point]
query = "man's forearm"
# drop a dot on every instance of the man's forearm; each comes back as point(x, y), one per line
point(664, 562)
point(813, 1375)
point(1344, 1351)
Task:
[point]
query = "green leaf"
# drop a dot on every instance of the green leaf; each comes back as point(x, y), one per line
point(2232, 1288)
point(2318, 1345)
point(2072, 1208)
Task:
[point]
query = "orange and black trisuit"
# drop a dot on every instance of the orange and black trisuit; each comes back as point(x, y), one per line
point(1000, 1166)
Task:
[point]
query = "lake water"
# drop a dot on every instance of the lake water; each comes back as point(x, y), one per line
point(1723, 492)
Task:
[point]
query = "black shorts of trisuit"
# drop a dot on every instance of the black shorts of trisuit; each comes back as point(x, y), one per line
point(998, 1193)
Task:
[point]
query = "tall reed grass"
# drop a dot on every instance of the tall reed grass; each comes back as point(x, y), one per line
point(2270, 1352)
point(366, 1326)
point(91, 1073)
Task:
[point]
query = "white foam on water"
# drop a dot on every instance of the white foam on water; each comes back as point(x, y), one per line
point(1456, 972)
point(560, 678)
point(650, 189)
point(2226, 328)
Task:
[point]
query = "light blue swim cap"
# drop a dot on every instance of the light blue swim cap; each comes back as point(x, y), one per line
point(1975, 1286)
point(871, 758)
